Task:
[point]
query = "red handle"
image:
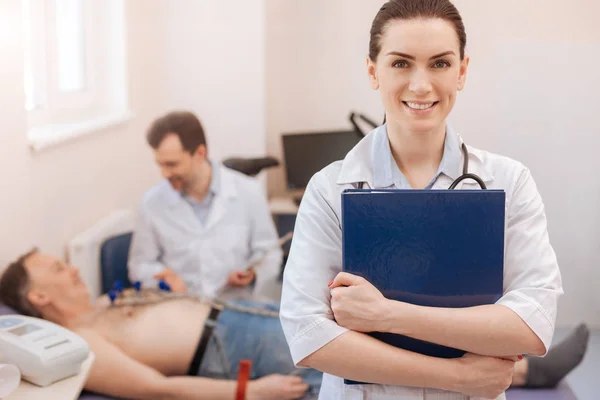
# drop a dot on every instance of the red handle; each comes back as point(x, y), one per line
point(243, 377)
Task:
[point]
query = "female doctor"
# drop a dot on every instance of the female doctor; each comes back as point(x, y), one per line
point(417, 62)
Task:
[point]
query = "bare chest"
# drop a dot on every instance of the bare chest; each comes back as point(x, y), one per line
point(163, 336)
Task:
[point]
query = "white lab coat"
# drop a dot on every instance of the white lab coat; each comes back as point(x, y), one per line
point(532, 281)
point(238, 231)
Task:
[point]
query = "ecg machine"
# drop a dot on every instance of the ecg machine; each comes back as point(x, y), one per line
point(43, 351)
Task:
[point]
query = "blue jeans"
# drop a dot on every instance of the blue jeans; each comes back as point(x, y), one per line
point(246, 336)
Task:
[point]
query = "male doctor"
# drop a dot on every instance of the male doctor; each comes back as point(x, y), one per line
point(204, 229)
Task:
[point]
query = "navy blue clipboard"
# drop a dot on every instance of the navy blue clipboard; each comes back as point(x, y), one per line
point(440, 248)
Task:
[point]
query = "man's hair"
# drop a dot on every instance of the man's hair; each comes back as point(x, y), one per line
point(184, 124)
point(15, 285)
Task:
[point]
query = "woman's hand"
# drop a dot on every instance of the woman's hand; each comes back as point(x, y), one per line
point(358, 305)
point(277, 387)
point(483, 376)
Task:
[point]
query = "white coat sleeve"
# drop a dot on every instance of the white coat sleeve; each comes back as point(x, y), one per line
point(315, 259)
point(532, 280)
point(144, 253)
point(264, 242)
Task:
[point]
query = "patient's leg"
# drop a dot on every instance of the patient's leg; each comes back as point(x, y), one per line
point(547, 372)
point(258, 338)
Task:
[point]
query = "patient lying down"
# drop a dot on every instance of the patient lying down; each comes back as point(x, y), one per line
point(145, 351)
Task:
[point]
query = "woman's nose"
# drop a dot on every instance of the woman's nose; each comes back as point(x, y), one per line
point(420, 84)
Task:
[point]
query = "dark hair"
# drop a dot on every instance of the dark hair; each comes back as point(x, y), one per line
point(412, 9)
point(182, 123)
point(15, 284)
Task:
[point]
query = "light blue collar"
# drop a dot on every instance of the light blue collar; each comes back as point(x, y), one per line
point(386, 173)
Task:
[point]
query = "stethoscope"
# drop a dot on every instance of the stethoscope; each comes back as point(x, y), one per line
point(465, 172)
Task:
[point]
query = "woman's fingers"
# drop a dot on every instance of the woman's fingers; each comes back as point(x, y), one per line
point(345, 279)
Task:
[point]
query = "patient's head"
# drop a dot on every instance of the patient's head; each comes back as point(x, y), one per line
point(41, 285)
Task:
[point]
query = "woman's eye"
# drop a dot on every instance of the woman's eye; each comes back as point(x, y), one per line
point(400, 64)
point(441, 64)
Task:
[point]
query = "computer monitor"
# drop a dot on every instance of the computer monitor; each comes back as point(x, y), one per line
point(307, 153)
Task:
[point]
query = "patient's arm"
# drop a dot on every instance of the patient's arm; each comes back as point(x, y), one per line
point(116, 374)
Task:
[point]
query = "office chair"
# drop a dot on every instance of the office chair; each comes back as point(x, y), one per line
point(114, 253)
point(250, 166)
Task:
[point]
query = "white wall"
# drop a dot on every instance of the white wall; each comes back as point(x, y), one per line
point(176, 60)
point(532, 94)
point(214, 57)
point(51, 195)
point(316, 69)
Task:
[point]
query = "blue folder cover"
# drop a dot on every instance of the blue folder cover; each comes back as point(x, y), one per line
point(440, 248)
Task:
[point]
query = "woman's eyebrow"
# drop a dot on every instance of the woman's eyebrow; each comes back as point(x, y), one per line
point(399, 54)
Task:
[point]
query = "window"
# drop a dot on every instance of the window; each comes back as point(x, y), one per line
point(74, 67)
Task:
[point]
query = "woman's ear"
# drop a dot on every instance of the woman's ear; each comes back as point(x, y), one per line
point(372, 71)
point(462, 76)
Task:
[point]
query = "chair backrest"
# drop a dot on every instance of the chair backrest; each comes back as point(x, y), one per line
point(250, 166)
point(114, 253)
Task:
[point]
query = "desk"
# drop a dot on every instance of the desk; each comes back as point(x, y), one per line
point(66, 389)
point(283, 206)
point(284, 210)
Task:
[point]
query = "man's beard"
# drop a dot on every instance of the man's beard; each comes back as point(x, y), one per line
point(180, 185)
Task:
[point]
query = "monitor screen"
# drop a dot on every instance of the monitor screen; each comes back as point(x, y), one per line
point(307, 153)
